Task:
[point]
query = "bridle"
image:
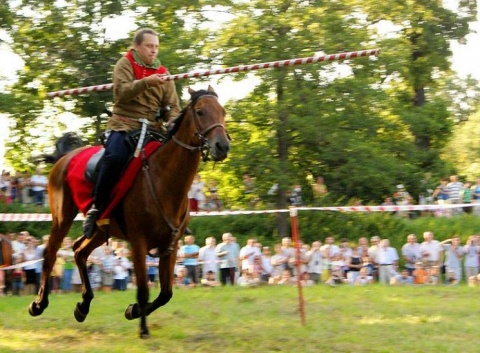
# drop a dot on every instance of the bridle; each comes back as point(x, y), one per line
point(204, 147)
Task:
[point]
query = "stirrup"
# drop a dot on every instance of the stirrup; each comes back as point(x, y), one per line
point(90, 222)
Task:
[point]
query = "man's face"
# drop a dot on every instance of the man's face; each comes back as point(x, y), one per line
point(148, 49)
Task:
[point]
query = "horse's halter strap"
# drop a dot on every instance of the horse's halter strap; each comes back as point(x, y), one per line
point(204, 147)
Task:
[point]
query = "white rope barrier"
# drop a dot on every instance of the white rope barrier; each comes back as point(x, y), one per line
point(46, 217)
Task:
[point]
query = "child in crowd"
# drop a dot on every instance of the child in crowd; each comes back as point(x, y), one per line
point(182, 280)
point(248, 279)
point(402, 278)
point(432, 275)
point(419, 273)
point(210, 280)
point(363, 277)
point(337, 277)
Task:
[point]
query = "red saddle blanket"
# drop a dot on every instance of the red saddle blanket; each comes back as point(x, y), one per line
point(82, 188)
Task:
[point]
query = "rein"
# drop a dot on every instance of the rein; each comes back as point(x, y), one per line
point(204, 147)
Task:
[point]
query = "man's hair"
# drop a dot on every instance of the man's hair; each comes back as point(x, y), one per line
point(138, 37)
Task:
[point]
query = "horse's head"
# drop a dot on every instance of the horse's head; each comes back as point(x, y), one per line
point(207, 119)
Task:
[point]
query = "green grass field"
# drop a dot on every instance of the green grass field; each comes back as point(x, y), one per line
point(266, 319)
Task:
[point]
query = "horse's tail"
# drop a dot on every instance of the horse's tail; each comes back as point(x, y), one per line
point(67, 143)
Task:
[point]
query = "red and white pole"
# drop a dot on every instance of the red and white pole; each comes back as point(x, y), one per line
point(228, 70)
point(295, 237)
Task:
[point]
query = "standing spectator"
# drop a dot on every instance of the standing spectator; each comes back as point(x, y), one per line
point(17, 278)
point(296, 195)
point(228, 253)
point(471, 251)
point(372, 254)
point(208, 258)
point(30, 254)
point(387, 260)
point(314, 258)
point(476, 196)
point(5, 187)
point(267, 267)
point(152, 270)
point(354, 264)
point(39, 268)
point(430, 250)
point(18, 242)
point(190, 252)
point(440, 194)
point(411, 253)
point(213, 200)
point(107, 264)
point(38, 183)
point(248, 253)
point(402, 198)
point(120, 274)
point(345, 254)
point(279, 262)
point(329, 251)
point(320, 190)
point(453, 257)
point(66, 252)
point(466, 195)
point(196, 195)
point(362, 246)
point(289, 253)
point(454, 188)
point(24, 188)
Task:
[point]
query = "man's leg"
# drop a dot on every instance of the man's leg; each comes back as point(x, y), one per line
point(116, 154)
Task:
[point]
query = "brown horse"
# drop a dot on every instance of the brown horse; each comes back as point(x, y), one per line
point(152, 215)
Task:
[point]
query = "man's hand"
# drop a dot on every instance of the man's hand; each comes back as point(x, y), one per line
point(155, 80)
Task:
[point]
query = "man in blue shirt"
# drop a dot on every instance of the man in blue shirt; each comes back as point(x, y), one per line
point(189, 252)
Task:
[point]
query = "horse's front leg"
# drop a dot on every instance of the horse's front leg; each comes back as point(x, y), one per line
point(166, 268)
point(139, 309)
point(83, 248)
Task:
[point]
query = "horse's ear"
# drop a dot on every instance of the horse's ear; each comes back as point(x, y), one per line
point(210, 89)
point(191, 91)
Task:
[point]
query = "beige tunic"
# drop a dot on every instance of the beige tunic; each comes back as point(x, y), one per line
point(134, 99)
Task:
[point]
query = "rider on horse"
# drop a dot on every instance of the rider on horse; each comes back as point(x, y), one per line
point(139, 93)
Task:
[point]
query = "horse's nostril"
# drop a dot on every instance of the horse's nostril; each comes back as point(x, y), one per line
point(223, 147)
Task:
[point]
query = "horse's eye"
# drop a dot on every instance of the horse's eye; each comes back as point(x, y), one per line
point(199, 112)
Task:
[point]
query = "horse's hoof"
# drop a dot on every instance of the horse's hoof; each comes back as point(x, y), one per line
point(144, 334)
point(132, 311)
point(34, 309)
point(79, 316)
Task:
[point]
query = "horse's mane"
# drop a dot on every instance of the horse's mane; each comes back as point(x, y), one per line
point(68, 142)
point(175, 124)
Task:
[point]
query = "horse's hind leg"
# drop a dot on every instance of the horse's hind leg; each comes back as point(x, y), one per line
point(61, 224)
point(83, 248)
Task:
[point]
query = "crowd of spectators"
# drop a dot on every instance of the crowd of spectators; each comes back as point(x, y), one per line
point(23, 188)
point(367, 261)
point(429, 262)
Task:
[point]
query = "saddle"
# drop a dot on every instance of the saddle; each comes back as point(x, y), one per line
point(131, 139)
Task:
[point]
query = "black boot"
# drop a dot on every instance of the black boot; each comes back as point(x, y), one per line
point(187, 231)
point(90, 223)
